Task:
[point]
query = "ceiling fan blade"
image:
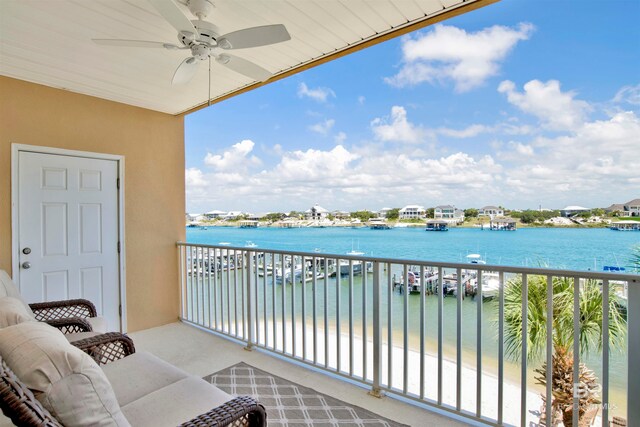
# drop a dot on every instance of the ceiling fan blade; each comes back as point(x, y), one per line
point(185, 71)
point(242, 66)
point(134, 43)
point(172, 13)
point(254, 37)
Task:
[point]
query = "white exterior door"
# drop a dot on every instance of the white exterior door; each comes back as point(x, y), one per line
point(68, 231)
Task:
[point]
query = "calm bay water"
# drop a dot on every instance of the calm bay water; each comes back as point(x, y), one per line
point(571, 248)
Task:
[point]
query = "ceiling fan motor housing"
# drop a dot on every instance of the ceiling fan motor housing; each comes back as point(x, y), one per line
point(207, 33)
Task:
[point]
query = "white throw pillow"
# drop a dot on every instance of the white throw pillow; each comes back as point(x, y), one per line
point(66, 380)
point(13, 312)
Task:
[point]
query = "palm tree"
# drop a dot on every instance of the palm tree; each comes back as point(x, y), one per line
point(635, 258)
point(590, 337)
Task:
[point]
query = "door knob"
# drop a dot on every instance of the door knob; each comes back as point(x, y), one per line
point(26, 265)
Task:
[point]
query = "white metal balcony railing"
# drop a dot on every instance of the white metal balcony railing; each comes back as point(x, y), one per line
point(352, 316)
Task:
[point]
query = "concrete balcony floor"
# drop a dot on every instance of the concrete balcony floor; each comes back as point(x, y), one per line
point(202, 353)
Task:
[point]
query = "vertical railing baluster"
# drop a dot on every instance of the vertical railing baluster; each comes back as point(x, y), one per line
point(235, 291)
point(245, 275)
point(265, 315)
point(228, 293)
point(338, 325)
point(303, 278)
point(326, 311)
point(274, 278)
point(549, 370)
point(314, 308)
point(192, 267)
point(423, 290)
point(283, 288)
point(605, 353)
point(351, 338)
point(405, 329)
point(459, 293)
point(256, 287)
point(209, 297)
point(576, 349)
point(294, 331)
point(248, 320)
point(500, 347)
point(216, 283)
point(633, 348)
point(377, 329)
point(525, 332)
point(365, 351)
point(440, 320)
point(479, 346)
point(390, 327)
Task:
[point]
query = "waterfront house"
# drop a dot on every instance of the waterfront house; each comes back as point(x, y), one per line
point(215, 214)
point(341, 215)
point(316, 212)
point(412, 212)
point(632, 208)
point(449, 213)
point(616, 208)
point(231, 215)
point(382, 213)
point(570, 211)
point(491, 211)
point(66, 99)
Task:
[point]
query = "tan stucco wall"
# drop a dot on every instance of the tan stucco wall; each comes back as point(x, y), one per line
point(153, 146)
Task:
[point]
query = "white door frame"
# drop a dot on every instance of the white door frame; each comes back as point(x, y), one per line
point(15, 214)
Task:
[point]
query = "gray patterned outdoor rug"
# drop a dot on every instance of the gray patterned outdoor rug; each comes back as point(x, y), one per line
point(290, 404)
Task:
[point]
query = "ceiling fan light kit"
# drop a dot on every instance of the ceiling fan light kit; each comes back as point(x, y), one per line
point(202, 38)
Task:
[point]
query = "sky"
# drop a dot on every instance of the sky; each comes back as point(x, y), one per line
point(523, 104)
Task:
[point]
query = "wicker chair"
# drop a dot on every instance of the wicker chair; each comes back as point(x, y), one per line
point(70, 316)
point(21, 406)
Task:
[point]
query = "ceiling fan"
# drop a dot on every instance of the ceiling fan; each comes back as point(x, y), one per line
point(201, 38)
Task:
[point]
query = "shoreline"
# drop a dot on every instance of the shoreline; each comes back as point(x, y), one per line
point(303, 224)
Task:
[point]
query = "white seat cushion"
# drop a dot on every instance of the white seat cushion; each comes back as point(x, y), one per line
point(140, 374)
point(13, 312)
point(64, 379)
point(98, 324)
point(175, 403)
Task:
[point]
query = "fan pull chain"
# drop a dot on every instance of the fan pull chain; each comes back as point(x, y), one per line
point(209, 95)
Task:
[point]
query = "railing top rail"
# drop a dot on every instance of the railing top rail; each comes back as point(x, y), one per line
point(632, 278)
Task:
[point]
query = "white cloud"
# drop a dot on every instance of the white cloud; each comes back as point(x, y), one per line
point(556, 109)
point(235, 158)
point(319, 94)
point(629, 95)
point(361, 100)
point(450, 53)
point(468, 132)
point(339, 138)
point(324, 127)
point(397, 128)
point(194, 178)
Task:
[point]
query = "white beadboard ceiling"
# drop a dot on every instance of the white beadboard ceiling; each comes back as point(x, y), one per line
point(49, 42)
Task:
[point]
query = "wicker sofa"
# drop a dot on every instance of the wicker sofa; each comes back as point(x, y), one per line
point(74, 316)
point(142, 390)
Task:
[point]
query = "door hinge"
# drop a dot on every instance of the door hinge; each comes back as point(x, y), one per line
point(120, 310)
point(118, 247)
point(118, 183)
